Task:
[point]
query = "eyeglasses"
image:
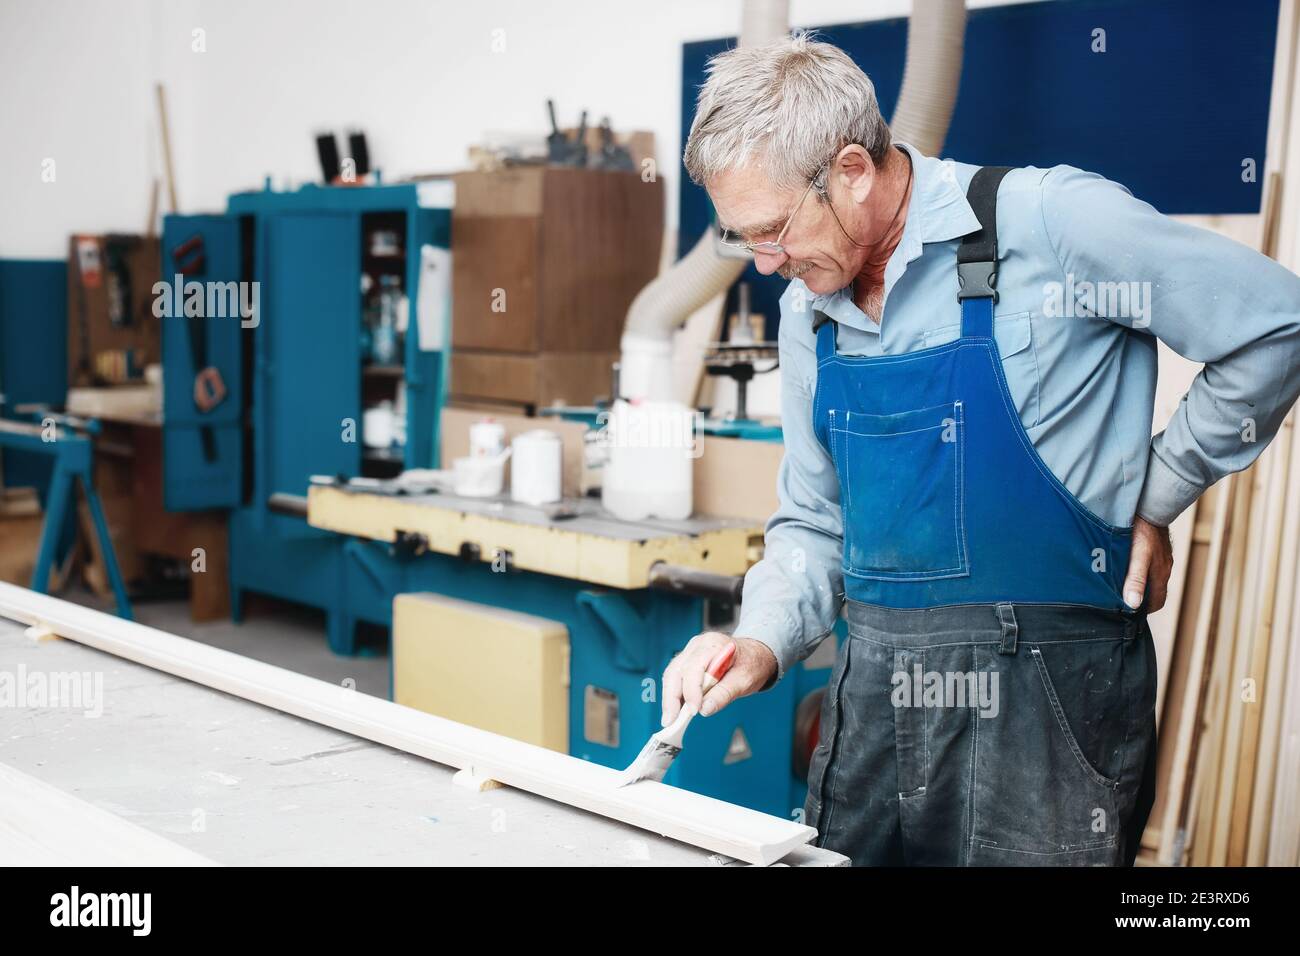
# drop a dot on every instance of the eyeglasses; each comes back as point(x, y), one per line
point(733, 239)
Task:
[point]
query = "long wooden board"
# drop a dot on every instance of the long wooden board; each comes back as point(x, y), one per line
point(1172, 835)
point(41, 825)
point(725, 828)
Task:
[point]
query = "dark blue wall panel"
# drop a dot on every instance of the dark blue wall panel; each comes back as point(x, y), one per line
point(1177, 101)
point(33, 351)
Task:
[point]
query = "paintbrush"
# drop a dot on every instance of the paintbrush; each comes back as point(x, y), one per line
point(663, 746)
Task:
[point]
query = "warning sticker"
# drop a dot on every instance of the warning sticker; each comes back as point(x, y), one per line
point(600, 716)
point(738, 749)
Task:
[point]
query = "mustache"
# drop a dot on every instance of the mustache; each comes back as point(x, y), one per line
point(793, 270)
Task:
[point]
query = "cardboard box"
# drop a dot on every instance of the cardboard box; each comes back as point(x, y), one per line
point(736, 478)
point(548, 259)
point(532, 381)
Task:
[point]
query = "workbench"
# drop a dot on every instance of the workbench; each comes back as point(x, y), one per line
point(244, 784)
point(575, 539)
point(629, 594)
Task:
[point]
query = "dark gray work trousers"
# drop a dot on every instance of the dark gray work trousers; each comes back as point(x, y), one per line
point(989, 735)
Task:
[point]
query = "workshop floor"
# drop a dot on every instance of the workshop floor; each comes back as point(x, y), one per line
point(275, 632)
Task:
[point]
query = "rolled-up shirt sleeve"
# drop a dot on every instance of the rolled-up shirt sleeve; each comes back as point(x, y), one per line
point(1211, 300)
point(793, 596)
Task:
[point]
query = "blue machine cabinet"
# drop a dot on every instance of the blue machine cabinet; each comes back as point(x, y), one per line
point(295, 375)
point(620, 642)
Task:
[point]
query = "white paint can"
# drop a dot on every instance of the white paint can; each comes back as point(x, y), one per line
point(537, 467)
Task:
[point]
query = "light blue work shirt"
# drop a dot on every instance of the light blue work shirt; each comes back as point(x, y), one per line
point(1089, 278)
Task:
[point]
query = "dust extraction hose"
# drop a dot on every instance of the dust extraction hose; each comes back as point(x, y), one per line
point(925, 103)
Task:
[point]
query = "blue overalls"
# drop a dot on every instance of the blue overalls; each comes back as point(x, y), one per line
point(994, 701)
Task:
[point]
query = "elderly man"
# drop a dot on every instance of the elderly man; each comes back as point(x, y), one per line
point(969, 365)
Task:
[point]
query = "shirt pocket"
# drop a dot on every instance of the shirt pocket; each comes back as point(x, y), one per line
point(902, 491)
point(1014, 334)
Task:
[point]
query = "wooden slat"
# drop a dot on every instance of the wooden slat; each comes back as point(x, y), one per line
point(1275, 670)
point(1207, 759)
point(1246, 590)
point(738, 832)
point(1194, 687)
point(41, 825)
point(1256, 669)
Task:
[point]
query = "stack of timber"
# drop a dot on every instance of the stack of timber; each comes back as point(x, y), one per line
point(1228, 774)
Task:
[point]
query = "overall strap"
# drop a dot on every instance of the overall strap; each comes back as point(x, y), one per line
point(977, 256)
point(824, 327)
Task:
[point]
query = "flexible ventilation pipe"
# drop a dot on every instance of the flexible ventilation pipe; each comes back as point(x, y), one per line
point(646, 370)
point(936, 36)
point(925, 103)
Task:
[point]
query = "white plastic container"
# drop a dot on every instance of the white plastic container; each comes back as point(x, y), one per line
point(377, 425)
point(646, 367)
point(536, 467)
point(652, 449)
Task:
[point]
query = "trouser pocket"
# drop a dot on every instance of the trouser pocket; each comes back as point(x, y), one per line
point(1056, 771)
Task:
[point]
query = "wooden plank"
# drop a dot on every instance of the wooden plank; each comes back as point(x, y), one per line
point(1256, 669)
point(702, 821)
point(1204, 778)
point(1284, 830)
point(1284, 158)
point(1275, 669)
point(1246, 590)
point(1179, 778)
point(130, 403)
point(1196, 822)
point(41, 825)
point(1171, 714)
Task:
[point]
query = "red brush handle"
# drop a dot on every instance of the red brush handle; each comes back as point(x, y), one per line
point(719, 666)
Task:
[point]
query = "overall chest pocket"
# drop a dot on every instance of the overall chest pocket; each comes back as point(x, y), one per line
point(902, 492)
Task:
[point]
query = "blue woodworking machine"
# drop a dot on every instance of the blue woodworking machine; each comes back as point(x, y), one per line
point(296, 374)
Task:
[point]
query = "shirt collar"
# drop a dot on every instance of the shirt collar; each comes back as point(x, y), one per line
point(938, 211)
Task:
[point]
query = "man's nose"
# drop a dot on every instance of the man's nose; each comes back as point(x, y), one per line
point(767, 263)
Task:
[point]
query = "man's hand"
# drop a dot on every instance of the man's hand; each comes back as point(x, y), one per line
point(754, 666)
point(1149, 565)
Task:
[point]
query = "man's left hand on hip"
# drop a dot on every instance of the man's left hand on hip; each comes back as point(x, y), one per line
point(1151, 561)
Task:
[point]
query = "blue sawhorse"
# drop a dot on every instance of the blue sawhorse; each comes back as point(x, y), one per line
point(73, 455)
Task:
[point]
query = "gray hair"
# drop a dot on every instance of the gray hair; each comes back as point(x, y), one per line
point(789, 105)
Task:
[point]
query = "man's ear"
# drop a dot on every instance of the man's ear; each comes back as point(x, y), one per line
point(854, 172)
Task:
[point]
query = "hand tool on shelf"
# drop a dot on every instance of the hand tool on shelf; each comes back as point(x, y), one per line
point(190, 259)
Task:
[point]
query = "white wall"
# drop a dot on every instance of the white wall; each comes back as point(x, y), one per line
point(76, 85)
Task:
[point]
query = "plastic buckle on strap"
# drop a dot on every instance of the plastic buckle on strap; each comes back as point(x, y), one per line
point(1010, 629)
point(977, 280)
